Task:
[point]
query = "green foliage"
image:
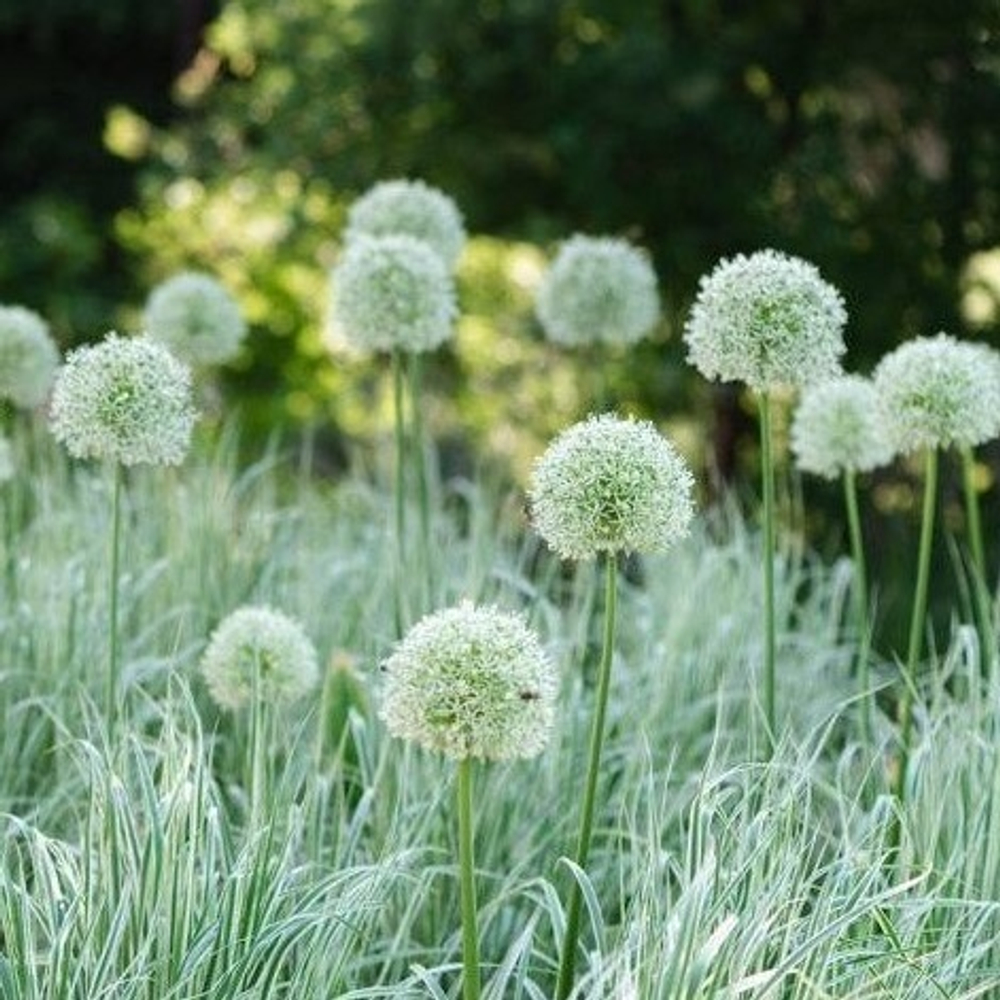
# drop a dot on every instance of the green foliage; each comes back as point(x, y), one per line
point(849, 139)
point(138, 869)
point(64, 65)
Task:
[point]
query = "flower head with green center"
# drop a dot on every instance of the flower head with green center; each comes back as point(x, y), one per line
point(196, 318)
point(409, 208)
point(392, 293)
point(598, 289)
point(470, 681)
point(28, 357)
point(611, 485)
point(126, 399)
point(840, 425)
point(768, 320)
point(258, 651)
point(938, 391)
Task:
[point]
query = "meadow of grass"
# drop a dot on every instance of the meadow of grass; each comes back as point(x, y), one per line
point(133, 866)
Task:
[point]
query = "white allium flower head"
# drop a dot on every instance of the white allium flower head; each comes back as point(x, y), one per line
point(840, 425)
point(611, 485)
point(392, 293)
point(768, 320)
point(196, 317)
point(939, 391)
point(28, 357)
point(409, 208)
point(127, 399)
point(470, 681)
point(259, 650)
point(6, 460)
point(598, 289)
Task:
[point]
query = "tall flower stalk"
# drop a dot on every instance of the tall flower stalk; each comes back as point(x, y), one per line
point(839, 429)
point(767, 480)
point(470, 682)
point(394, 293)
point(862, 624)
point(127, 401)
point(771, 321)
point(258, 658)
point(606, 486)
point(981, 588)
point(918, 617)
point(937, 392)
point(114, 639)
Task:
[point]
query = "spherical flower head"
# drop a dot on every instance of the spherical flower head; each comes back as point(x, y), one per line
point(196, 317)
point(598, 289)
point(262, 653)
point(392, 293)
point(28, 357)
point(840, 425)
point(127, 399)
point(611, 485)
point(768, 320)
point(409, 208)
point(470, 681)
point(6, 460)
point(938, 391)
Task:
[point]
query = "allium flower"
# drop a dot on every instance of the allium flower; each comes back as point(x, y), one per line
point(840, 424)
point(196, 317)
point(598, 289)
point(768, 320)
point(470, 681)
point(259, 649)
point(6, 460)
point(28, 357)
point(127, 399)
point(409, 208)
point(611, 485)
point(938, 391)
point(392, 292)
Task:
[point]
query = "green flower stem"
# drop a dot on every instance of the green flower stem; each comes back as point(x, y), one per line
point(568, 960)
point(400, 484)
point(9, 512)
point(415, 378)
point(980, 582)
point(767, 476)
point(860, 602)
point(111, 692)
point(972, 512)
point(467, 870)
point(918, 619)
point(257, 778)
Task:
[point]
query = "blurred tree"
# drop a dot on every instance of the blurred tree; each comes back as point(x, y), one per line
point(861, 136)
point(64, 64)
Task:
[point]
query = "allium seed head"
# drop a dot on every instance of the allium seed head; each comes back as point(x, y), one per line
point(196, 317)
point(259, 649)
point(28, 357)
point(611, 485)
point(392, 293)
point(127, 399)
point(938, 391)
point(839, 425)
point(409, 208)
point(598, 289)
point(768, 320)
point(470, 681)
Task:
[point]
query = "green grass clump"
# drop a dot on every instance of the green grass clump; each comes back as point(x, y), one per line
point(133, 866)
